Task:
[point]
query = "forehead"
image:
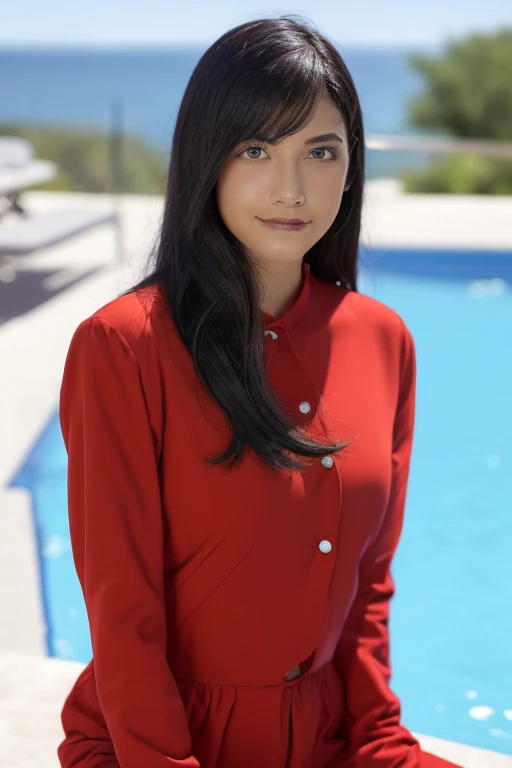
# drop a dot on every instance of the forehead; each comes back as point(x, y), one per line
point(326, 117)
point(326, 109)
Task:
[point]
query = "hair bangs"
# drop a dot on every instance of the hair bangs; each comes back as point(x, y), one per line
point(281, 117)
point(275, 100)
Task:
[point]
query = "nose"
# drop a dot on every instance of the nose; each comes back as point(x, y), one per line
point(287, 187)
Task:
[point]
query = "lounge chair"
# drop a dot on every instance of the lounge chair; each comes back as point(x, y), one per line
point(19, 169)
point(35, 230)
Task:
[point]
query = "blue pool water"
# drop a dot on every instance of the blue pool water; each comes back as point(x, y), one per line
point(451, 621)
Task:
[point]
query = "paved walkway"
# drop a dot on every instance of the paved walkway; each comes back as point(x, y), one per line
point(33, 347)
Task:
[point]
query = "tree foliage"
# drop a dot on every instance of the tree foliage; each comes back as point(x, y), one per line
point(469, 95)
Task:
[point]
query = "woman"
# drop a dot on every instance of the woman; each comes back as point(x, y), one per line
point(239, 429)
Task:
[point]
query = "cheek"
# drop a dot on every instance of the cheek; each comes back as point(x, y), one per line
point(234, 206)
point(333, 197)
point(325, 200)
point(334, 183)
point(235, 190)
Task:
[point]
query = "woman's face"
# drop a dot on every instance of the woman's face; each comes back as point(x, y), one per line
point(292, 179)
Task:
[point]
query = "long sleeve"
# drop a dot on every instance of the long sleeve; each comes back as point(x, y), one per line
point(372, 716)
point(116, 527)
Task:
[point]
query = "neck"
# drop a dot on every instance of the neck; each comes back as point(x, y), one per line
point(281, 285)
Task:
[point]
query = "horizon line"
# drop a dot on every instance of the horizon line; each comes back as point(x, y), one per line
point(193, 45)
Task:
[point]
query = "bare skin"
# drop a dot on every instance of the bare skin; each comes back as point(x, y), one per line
point(291, 179)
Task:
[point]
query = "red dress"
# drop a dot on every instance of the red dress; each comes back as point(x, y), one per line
point(203, 588)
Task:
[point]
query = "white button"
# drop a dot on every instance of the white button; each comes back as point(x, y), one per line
point(305, 407)
point(327, 461)
point(272, 333)
point(325, 546)
point(338, 282)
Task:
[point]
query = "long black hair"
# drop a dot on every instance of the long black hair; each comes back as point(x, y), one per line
point(262, 79)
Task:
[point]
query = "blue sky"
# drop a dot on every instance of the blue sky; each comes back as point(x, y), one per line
point(199, 22)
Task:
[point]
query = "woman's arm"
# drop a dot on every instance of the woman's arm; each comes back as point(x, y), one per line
point(116, 528)
point(372, 715)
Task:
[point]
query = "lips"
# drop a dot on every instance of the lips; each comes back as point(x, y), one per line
point(284, 225)
point(285, 221)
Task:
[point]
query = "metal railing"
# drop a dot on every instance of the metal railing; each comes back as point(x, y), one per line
point(442, 145)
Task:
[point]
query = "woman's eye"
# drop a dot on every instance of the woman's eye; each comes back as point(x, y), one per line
point(325, 149)
point(333, 154)
point(253, 149)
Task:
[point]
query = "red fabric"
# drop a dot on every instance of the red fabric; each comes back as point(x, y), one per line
point(204, 588)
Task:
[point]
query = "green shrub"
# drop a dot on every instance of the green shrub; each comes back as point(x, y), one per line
point(84, 159)
point(462, 175)
point(468, 95)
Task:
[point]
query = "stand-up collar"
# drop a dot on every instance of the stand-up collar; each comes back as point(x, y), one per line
point(294, 313)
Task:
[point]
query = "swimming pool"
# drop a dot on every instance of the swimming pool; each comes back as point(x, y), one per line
point(451, 618)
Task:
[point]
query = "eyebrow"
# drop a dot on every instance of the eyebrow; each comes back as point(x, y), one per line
point(324, 137)
point(313, 139)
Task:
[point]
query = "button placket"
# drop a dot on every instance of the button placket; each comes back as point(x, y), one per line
point(325, 545)
point(326, 556)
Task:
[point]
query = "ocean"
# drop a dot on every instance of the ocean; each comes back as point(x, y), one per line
point(77, 88)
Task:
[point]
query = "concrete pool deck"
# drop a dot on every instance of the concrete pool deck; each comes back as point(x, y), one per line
point(82, 274)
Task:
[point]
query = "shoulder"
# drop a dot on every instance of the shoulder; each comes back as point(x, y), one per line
point(378, 316)
point(112, 363)
point(128, 320)
point(362, 313)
